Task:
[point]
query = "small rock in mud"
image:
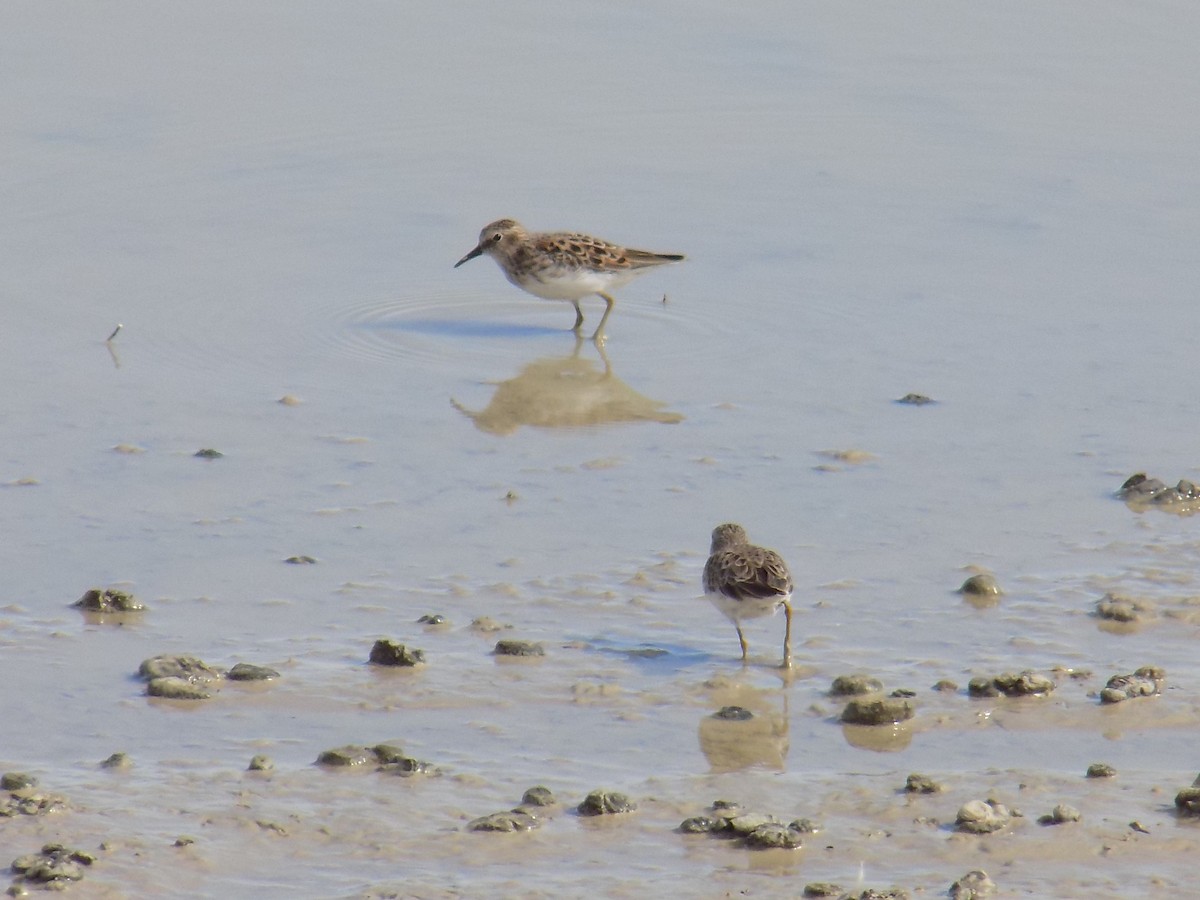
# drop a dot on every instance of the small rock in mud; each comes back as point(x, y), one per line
point(883, 894)
point(17, 781)
point(946, 685)
point(1123, 609)
point(1061, 814)
point(603, 803)
point(348, 756)
point(519, 648)
point(1011, 685)
point(260, 762)
point(184, 840)
point(903, 692)
point(733, 713)
point(921, 784)
point(250, 672)
point(973, 886)
point(390, 653)
point(301, 560)
point(118, 760)
point(774, 836)
point(823, 889)
point(432, 619)
point(1145, 682)
point(746, 822)
point(916, 400)
point(1139, 827)
point(806, 826)
point(855, 685)
point(190, 668)
point(55, 865)
point(513, 820)
point(981, 585)
point(982, 816)
point(208, 453)
point(878, 711)
point(1187, 801)
point(538, 796)
point(174, 688)
point(1101, 770)
point(108, 600)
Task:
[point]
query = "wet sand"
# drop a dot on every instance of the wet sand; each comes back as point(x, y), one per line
point(993, 207)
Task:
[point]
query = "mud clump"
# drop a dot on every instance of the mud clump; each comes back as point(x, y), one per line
point(54, 866)
point(982, 817)
point(981, 585)
point(973, 886)
point(386, 652)
point(605, 803)
point(1145, 682)
point(1101, 770)
point(1023, 684)
point(250, 672)
point(519, 648)
point(1141, 492)
point(108, 600)
point(878, 711)
point(1060, 815)
point(385, 757)
point(855, 685)
point(1125, 610)
point(921, 784)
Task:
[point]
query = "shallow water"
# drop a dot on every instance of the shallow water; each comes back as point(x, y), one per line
point(995, 206)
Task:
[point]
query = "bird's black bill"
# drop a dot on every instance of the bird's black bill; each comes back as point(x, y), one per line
point(478, 251)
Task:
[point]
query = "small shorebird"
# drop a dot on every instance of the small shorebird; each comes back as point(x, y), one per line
point(745, 582)
point(562, 266)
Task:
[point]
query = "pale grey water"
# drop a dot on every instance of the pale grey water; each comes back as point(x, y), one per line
point(997, 206)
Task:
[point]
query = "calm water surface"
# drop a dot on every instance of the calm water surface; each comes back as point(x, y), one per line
point(995, 206)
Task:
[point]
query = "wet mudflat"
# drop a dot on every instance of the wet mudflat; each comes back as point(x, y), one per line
point(454, 555)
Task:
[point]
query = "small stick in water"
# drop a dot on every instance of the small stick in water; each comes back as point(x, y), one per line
point(114, 334)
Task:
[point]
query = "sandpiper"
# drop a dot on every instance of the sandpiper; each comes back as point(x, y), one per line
point(564, 266)
point(745, 582)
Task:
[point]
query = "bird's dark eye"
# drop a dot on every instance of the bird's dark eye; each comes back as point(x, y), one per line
point(496, 238)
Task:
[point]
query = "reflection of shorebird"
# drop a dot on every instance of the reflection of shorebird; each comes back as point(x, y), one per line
point(563, 391)
point(745, 582)
point(561, 266)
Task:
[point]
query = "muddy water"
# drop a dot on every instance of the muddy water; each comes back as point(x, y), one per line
point(995, 207)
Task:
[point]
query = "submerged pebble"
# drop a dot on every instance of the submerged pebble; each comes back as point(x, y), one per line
point(982, 816)
point(118, 760)
point(1145, 682)
point(604, 803)
point(261, 763)
point(911, 399)
point(17, 781)
point(1101, 770)
point(823, 889)
point(878, 711)
point(386, 652)
point(774, 836)
point(733, 713)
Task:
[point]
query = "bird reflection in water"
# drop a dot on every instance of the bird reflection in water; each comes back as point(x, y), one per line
point(563, 391)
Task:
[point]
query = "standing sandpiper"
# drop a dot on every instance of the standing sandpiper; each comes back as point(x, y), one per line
point(745, 582)
point(561, 266)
